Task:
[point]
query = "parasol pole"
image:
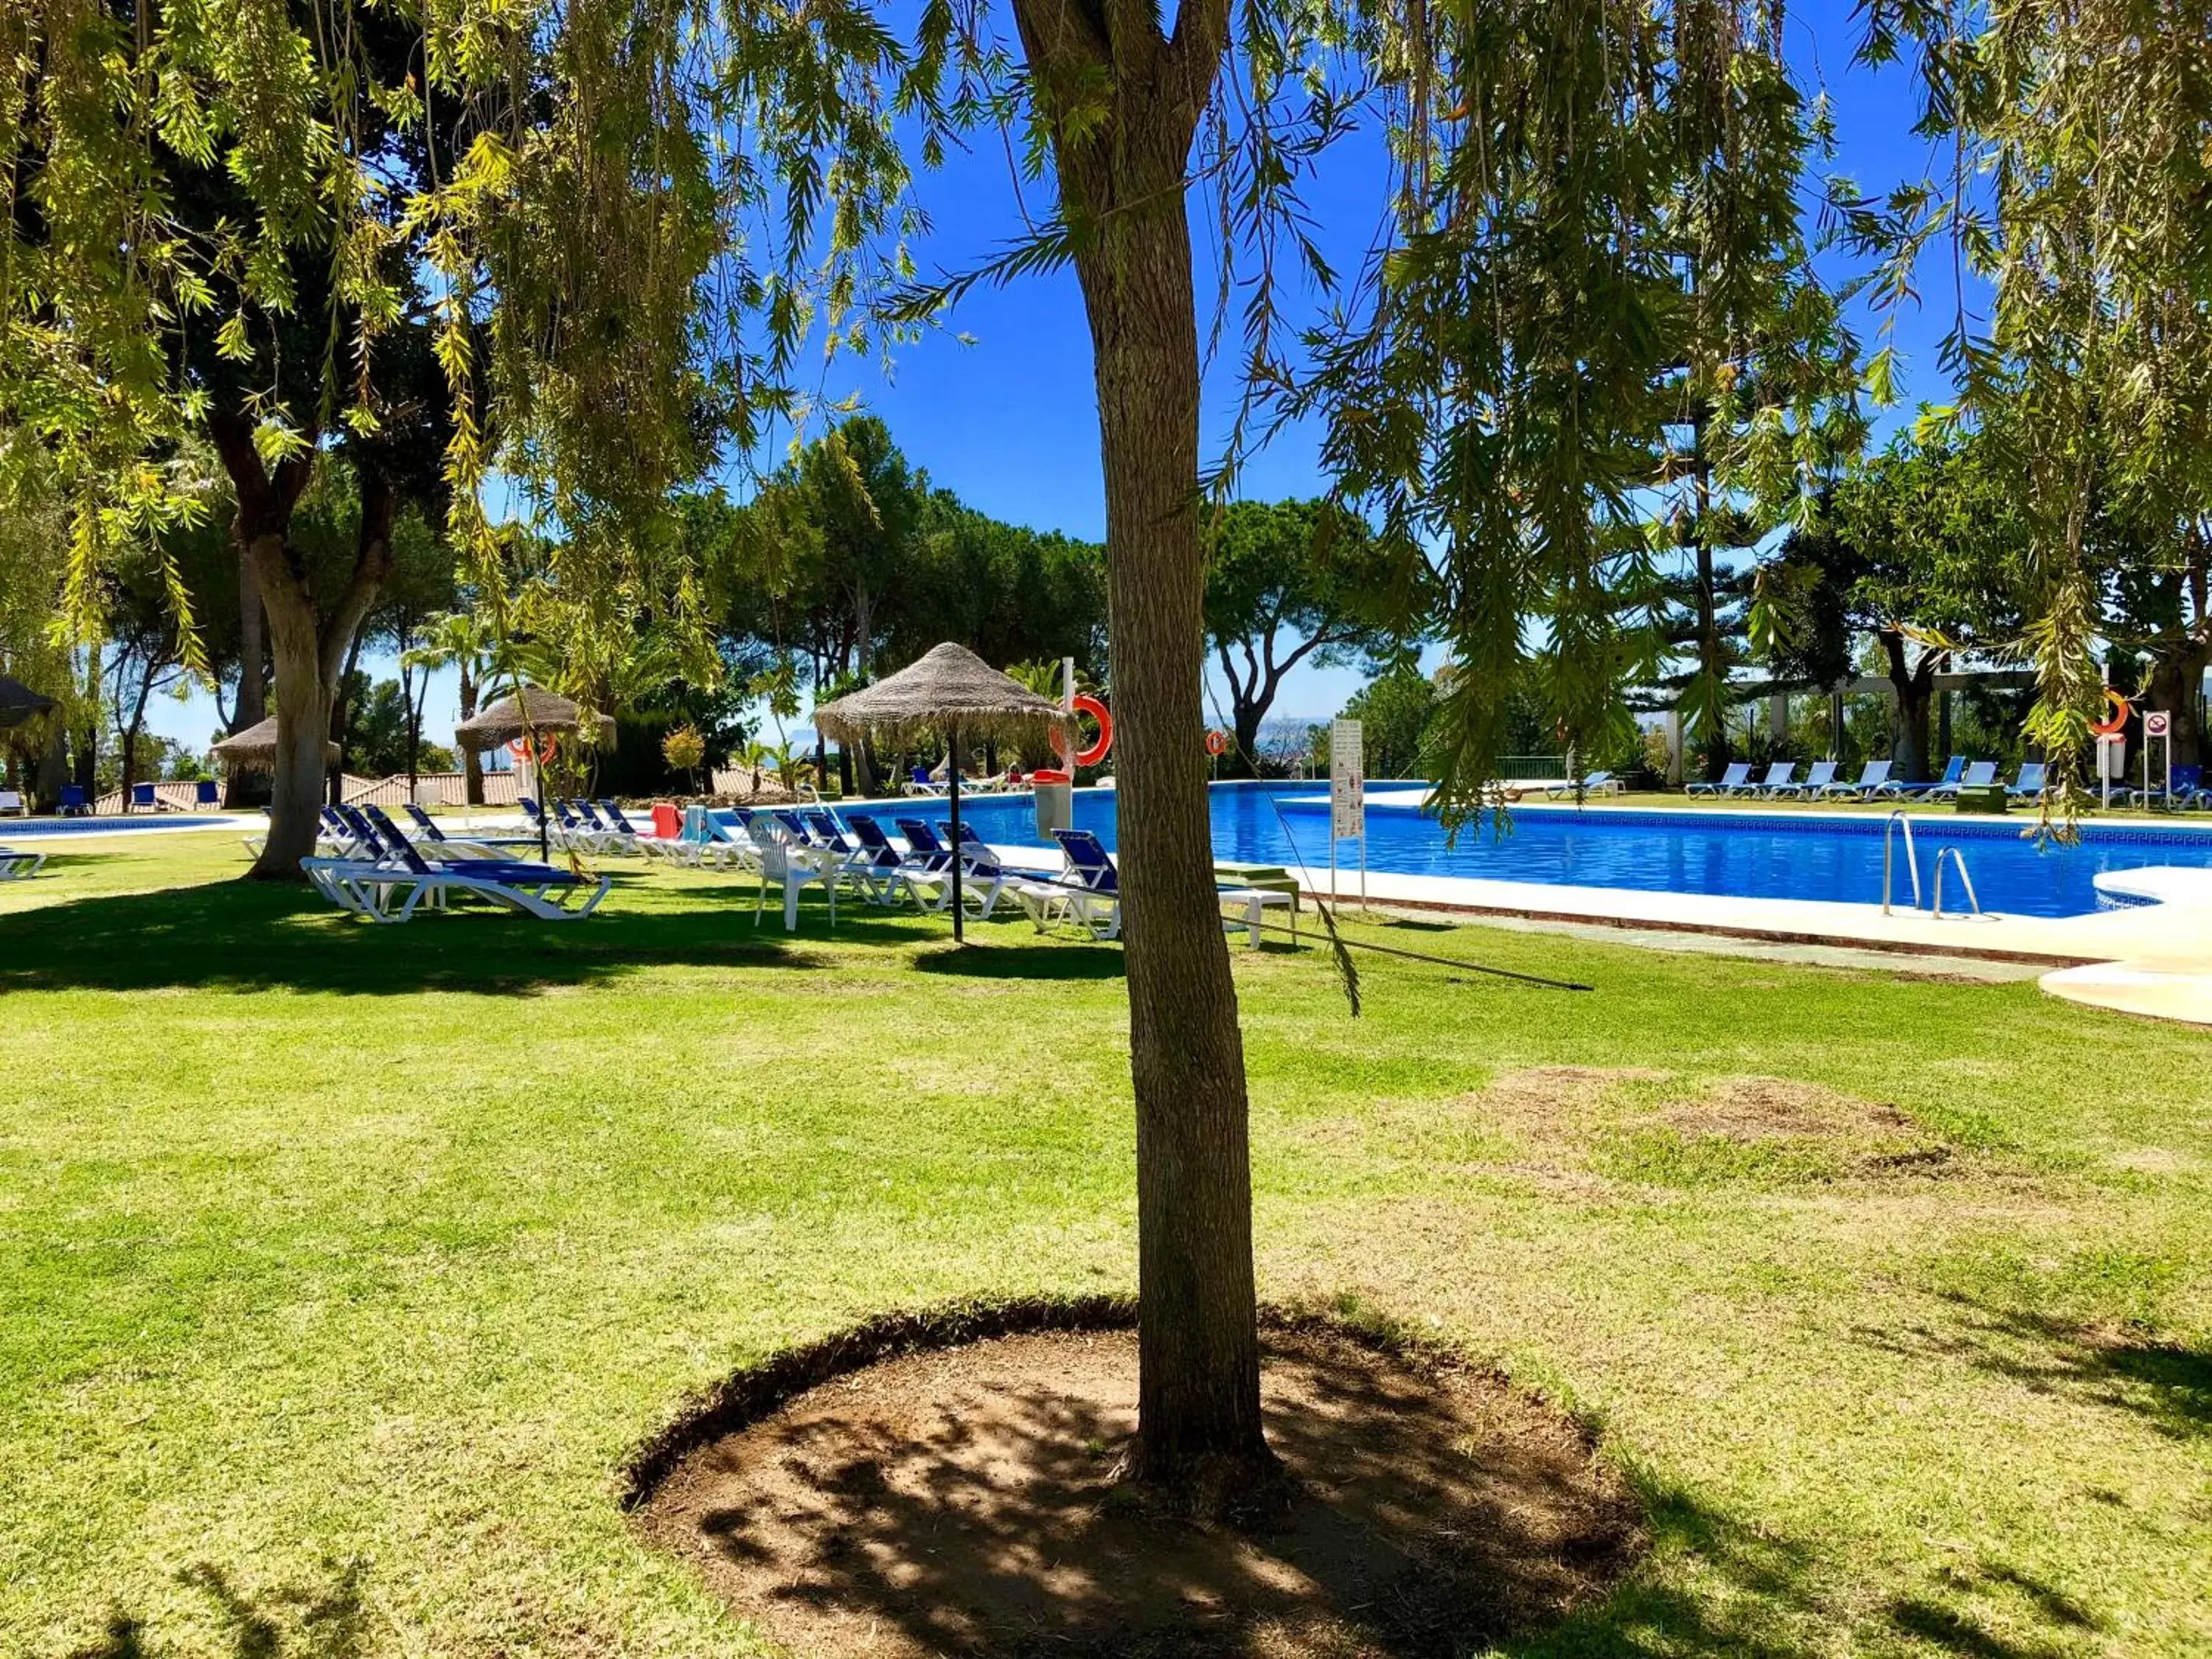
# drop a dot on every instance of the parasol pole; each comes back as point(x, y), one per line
point(952, 766)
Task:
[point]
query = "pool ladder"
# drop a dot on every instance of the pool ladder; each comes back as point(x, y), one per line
point(1898, 820)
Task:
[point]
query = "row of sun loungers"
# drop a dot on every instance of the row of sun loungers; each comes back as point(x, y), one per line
point(795, 848)
point(1873, 783)
point(366, 864)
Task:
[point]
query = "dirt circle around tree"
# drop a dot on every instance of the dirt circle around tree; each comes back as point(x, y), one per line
point(921, 1490)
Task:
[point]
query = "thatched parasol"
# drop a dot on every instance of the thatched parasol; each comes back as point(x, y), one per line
point(254, 750)
point(505, 720)
point(18, 702)
point(951, 691)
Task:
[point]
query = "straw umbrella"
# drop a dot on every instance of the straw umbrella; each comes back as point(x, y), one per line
point(526, 715)
point(953, 691)
point(18, 702)
point(255, 747)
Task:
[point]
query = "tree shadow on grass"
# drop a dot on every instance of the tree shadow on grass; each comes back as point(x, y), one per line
point(1711, 1586)
point(982, 958)
point(246, 936)
point(327, 1621)
point(2127, 1368)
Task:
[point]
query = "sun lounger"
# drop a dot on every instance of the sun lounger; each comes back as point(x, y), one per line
point(2028, 785)
point(1953, 775)
point(142, 795)
point(11, 800)
point(1874, 776)
point(74, 804)
point(1778, 778)
point(1980, 775)
point(2181, 790)
point(1737, 775)
point(889, 867)
point(1088, 892)
point(1822, 776)
point(496, 847)
point(1596, 783)
point(931, 865)
point(397, 880)
point(983, 879)
point(17, 866)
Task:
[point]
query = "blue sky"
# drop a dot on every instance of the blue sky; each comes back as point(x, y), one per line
point(1008, 421)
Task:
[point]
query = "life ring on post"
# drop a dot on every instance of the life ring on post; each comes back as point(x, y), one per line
point(2118, 723)
point(520, 748)
point(1087, 704)
point(1216, 743)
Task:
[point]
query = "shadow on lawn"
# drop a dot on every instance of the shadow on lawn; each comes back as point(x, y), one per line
point(291, 1622)
point(2165, 1383)
point(246, 935)
point(1754, 1596)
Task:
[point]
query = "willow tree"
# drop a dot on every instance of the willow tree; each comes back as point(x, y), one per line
point(2080, 134)
point(442, 236)
point(646, 208)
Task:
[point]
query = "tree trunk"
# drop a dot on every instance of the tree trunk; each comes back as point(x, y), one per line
point(2176, 682)
point(472, 761)
point(53, 768)
point(1915, 686)
point(1245, 716)
point(306, 645)
point(340, 722)
point(252, 690)
point(1200, 1438)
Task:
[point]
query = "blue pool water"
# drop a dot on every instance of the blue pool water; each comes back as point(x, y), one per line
point(1782, 854)
point(16, 829)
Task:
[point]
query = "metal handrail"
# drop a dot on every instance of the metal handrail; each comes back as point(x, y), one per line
point(1973, 901)
point(1894, 821)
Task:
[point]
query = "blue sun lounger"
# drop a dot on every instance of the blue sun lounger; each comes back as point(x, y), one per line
point(1896, 788)
point(1872, 777)
point(1737, 775)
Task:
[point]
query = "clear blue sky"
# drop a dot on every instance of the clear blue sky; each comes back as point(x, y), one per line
point(1009, 423)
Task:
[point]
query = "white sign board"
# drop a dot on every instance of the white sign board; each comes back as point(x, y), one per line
point(2155, 726)
point(1347, 782)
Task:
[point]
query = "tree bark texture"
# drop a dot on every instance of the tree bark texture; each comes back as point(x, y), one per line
point(253, 691)
point(1915, 686)
point(1200, 1439)
point(307, 643)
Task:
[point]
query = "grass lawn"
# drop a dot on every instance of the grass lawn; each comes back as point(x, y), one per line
point(341, 1268)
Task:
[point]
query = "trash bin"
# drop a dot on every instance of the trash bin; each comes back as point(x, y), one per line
point(1056, 802)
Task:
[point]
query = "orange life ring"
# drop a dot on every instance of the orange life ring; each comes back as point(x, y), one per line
point(1217, 742)
point(519, 747)
point(1087, 704)
point(2118, 723)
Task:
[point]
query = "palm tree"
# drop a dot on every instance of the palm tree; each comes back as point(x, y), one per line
point(462, 640)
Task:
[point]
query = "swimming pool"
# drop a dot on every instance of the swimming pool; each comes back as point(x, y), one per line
point(1782, 854)
point(12, 829)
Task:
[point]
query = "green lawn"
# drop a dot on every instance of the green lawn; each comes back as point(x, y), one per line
point(341, 1268)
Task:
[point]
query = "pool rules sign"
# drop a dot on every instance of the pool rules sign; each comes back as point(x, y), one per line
point(1347, 781)
point(1347, 798)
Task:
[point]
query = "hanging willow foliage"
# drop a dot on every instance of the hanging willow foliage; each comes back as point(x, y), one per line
point(2080, 140)
point(637, 214)
point(632, 213)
